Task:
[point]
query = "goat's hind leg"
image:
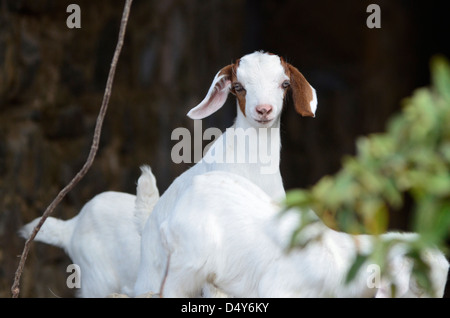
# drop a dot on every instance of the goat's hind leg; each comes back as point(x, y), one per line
point(180, 284)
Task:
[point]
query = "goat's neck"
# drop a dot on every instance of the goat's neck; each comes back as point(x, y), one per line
point(250, 152)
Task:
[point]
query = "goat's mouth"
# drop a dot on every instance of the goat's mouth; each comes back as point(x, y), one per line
point(264, 121)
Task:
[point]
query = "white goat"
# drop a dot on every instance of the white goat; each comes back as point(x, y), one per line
point(260, 82)
point(225, 231)
point(103, 239)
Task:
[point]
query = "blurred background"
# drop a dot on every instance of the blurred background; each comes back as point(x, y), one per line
point(52, 80)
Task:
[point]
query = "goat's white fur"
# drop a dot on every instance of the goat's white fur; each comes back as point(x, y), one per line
point(262, 76)
point(227, 232)
point(103, 239)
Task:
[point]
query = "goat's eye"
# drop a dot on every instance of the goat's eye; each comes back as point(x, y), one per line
point(286, 84)
point(238, 87)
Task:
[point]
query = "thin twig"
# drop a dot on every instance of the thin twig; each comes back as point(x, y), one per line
point(15, 290)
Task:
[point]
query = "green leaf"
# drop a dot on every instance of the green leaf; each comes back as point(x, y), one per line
point(440, 71)
point(421, 270)
point(356, 266)
point(297, 197)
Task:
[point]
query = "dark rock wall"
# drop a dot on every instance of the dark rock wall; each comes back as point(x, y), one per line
point(52, 80)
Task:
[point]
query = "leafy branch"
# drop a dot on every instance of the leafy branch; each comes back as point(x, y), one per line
point(411, 159)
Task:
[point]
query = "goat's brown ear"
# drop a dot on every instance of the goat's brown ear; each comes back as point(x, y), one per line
point(303, 94)
point(217, 94)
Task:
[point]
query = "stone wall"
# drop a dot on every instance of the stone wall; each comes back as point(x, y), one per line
point(52, 80)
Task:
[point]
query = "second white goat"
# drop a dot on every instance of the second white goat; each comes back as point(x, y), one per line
point(103, 239)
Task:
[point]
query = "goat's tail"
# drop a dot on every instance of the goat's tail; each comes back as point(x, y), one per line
point(147, 194)
point(54, 231)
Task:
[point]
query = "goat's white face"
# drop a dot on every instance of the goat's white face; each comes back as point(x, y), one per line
point(260, 86)
point(259, 81)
